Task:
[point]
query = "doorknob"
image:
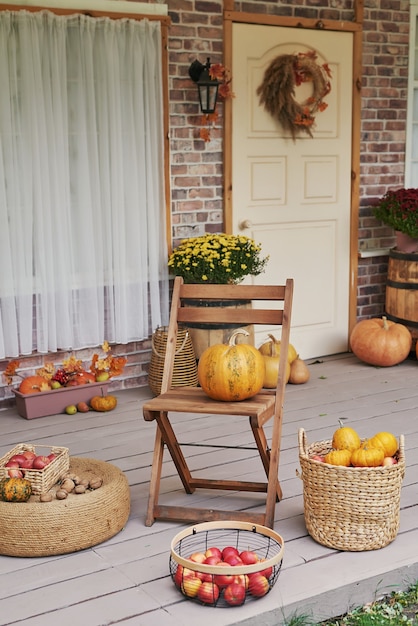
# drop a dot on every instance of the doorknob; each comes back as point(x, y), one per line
point(245, 224)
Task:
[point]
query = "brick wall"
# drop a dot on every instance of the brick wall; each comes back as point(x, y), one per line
point(196, 167)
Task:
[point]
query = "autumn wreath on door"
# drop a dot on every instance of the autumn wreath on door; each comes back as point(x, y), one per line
point(277, 90)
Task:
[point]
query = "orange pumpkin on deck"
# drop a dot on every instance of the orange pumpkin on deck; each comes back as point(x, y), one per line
point(34, 384)
point(379, 341)
point(103, 403)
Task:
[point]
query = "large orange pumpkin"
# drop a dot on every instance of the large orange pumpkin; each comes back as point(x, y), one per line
point(34, 384)
point(231, 372)
point(379, 341)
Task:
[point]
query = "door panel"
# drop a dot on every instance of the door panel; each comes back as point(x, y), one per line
point(294, 196)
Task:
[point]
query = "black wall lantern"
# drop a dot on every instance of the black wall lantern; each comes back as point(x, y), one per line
point(207, 86)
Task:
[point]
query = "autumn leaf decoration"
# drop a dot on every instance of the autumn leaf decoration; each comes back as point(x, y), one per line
point(217, 72)
point(277, 90)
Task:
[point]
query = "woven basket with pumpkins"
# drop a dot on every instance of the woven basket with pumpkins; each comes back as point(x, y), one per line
point(352, 488)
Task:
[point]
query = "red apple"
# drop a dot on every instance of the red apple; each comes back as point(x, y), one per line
point(212, 560)
point(27, 463)
point(223, 580)
point(233, 559)
point(242, 579)
point(190, 586)
point(197, 557)
point(234, 594)
point(29, 454)
point(248, 557)
point(208, 593)
point(17, 458)
point(40, 462)
point(11, 463)
point(52, 456)
point(318, 457)
point(389, 460)
point(229, 550)
point(267, 572)
point(213, 551)
point(182, 572)
point(258, 585)
point(15, 473)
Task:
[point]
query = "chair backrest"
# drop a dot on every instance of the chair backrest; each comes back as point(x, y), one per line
point(186, 307)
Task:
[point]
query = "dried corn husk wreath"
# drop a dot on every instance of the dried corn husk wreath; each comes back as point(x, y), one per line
point(277, 91)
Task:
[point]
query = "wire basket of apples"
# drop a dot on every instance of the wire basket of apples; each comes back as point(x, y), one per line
point(227, 563)
point(42, 465)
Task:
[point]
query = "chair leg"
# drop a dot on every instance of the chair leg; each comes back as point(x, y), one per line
point(171, 442)
point(262, 445)
point(154, 487)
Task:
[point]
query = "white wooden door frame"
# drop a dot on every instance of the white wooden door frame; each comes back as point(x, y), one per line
point(355, 27)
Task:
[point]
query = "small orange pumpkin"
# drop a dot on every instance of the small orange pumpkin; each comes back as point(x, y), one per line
point(345, 438)
point(103, 403)
point(231, 372)
point(338, 457)
point(367, 456)
point(34, 384)
point(380, 342)
point(386, 441)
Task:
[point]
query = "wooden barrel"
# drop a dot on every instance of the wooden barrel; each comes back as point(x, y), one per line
point(402, 289)
point(204, 336)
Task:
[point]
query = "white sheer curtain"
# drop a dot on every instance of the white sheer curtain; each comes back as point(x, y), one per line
point(82, 232)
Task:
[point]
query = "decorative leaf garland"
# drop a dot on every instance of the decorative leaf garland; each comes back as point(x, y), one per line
point(277, 91)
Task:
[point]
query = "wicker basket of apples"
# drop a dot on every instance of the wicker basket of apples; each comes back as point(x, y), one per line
point(225, 564)
point(42, 465)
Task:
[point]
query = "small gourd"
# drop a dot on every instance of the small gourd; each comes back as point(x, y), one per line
point(231, 372)
point(367, 456)
point(386, 441)
point(345, 438)
point(103, 403)
point(15, 490)
point(299, 372)
point(338, 457)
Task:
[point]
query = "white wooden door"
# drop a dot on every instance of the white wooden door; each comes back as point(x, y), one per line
point(294, 196)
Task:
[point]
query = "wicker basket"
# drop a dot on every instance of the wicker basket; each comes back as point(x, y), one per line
point(266, 543)
point(41, 479)
point(185, 367)
point(350, 508)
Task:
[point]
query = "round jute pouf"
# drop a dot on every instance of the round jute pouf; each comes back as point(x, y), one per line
point(80, 521)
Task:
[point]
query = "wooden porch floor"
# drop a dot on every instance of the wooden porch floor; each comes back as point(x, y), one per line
point(126, 579)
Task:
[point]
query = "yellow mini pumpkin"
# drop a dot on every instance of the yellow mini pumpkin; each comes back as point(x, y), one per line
point(345, 438)
point(386, 441)
point(271, 358)
point(338, 457)
point(367, 456)
point(103, 403)
point(266, 348)
point(231, 372)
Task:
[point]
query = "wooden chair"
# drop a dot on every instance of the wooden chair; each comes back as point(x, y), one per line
point(266, 405)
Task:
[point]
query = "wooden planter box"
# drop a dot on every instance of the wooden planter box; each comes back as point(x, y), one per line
point(43, 403)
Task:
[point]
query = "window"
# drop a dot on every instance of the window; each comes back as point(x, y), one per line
point(411, 156)
point(82, 207)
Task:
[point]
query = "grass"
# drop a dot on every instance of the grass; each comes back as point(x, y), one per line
point(398, 609)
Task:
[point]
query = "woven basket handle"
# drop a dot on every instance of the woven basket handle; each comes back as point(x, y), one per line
point(302, 442)
point(177, 352)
